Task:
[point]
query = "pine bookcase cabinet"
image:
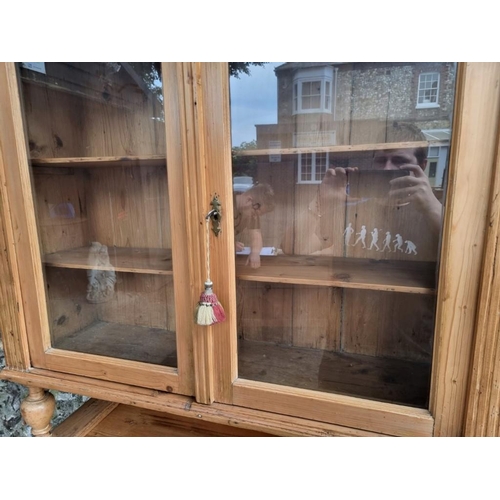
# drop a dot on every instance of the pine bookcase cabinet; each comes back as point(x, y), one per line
point(107, 174)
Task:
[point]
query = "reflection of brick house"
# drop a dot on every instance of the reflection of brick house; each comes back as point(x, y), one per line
point(327, 104)
point(334, 104)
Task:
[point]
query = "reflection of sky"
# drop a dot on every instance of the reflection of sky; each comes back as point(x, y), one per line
point(253, 102)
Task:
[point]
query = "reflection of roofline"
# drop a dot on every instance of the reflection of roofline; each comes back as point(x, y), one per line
point(301, 65)
point(438, 134)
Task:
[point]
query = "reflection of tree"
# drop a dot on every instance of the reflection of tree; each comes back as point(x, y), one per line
point(236, 68)
point(244, 165)
point(151, 76)
point(150, 72)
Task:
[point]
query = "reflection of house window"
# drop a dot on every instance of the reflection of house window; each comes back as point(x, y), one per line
point(436, 165)
point(432, 162)
point(312, 90)
point(428, 90)
point(312, 167)
point(437, 155)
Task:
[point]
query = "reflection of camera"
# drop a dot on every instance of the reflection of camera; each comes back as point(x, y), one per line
point(372, 183)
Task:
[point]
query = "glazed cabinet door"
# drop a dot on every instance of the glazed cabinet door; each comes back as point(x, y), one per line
point(346, 182)
point(103, 273)
point(352, 203)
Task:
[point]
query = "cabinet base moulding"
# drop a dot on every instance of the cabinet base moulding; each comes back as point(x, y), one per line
point(182, 406)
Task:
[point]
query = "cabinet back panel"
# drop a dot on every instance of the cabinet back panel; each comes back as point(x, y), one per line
point(388, 324)
point(69, 309)
point(61, 203)
point(385, 324)
point(129, 207)
point(140, 305)
point(141, 300)
point(265, 312)
point(82, 110)
point(289, 315)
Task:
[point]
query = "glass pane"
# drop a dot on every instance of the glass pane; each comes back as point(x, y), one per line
point(97, 143)
point(337, 284)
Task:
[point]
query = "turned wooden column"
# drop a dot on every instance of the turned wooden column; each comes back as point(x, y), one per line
point(37, 410)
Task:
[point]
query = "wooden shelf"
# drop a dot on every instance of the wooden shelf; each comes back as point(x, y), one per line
point(160, 160)
point(97, 418)
point(101, 161)
point(385, 379)
point(135, 343)
point(382, 379)
point(336, 149)
point(366, 274)
point(127, 260)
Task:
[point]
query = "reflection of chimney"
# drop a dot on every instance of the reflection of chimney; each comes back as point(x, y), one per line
point(387, 113)
point(334, 98)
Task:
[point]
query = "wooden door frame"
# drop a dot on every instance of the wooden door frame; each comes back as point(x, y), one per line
point(23, 256)
point(471, 173)
point(474, 141)
point(483, 405)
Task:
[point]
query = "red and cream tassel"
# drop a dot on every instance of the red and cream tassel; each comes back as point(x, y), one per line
point(209, 310)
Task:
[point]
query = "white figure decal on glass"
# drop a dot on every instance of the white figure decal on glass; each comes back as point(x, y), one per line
point(348, 232)
point(361, 237)
point(410, 247)
point(387, 242)
point(374, 234)
point(399, 243)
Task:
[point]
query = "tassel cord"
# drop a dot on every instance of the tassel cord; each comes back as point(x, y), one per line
point(207, 222)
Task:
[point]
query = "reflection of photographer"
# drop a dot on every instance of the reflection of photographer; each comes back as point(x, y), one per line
point(409, 190)
point(414, 188)
point(249, 205)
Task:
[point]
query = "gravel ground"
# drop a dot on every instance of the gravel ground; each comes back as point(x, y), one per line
point(11, 395)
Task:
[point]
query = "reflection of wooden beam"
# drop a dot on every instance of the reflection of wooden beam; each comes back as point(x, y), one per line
point(91, 95)
point(139, 81)
point(135, 76)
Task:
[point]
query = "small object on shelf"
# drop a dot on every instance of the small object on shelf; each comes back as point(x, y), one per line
point(264, 251)
point(101, 281)
point(242, 184)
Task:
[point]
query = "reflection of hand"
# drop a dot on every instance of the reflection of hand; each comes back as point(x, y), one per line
point(333, 187)
point(253, 260)
point(415, 188)
point(239, 246)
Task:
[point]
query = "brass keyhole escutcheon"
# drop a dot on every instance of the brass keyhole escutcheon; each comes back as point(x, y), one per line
point(215, 215)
